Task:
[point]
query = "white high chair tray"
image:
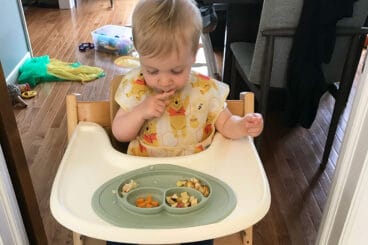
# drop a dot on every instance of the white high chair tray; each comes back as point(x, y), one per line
point(90, 161)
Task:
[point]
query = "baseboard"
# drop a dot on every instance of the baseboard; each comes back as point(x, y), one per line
point(13, 75)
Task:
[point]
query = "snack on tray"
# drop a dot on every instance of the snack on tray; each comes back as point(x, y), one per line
point(195, 184)
point(183, 200)
point(129, 186)
point(147, 202)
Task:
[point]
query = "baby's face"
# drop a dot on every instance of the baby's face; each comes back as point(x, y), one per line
point(170, 72)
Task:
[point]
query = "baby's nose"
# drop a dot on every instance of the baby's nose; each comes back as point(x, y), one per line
point(165, 81)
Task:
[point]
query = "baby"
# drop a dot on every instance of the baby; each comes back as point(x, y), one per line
point(165, 108)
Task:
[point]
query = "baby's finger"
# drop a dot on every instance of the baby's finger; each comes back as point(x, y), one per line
point(166, 95)
point(252, 121)
point(255, 118)
point(254, 132)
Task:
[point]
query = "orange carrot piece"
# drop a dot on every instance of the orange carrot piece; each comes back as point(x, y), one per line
point(149, 198)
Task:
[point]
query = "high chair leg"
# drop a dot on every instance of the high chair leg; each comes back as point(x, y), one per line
point(78, 239)
point(247, 236)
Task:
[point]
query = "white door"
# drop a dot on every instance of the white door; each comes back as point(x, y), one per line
point(12, 231)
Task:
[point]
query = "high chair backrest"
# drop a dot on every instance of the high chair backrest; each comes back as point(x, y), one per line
point(103, 112)
point(89, 111)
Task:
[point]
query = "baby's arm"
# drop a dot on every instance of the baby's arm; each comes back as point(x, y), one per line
point(127, 124)
point(234, 127)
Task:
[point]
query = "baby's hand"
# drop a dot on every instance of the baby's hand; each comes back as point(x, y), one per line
point(154, 106)
point(253, 123)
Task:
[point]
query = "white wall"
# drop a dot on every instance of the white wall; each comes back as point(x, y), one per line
point(345, 218)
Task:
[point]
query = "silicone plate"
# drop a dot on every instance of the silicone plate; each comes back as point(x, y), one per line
point(106, 203)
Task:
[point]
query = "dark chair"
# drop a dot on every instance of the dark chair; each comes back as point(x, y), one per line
point(264, 64)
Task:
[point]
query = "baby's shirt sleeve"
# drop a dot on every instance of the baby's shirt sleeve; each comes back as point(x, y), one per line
point(132, 90)
point(215, 93)
point(218, 100)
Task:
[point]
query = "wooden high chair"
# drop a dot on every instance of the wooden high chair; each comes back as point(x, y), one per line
point(102, 113)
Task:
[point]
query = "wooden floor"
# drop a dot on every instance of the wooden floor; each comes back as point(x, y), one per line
point(290, 156)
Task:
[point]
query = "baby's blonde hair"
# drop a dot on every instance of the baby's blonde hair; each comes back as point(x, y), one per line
point(160, 26)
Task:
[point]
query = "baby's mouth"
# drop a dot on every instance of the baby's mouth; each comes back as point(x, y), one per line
point(166, 91)
point(169, 91)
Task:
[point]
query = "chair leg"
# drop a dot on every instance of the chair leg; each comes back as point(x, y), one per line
point(343, 93)
point(339, 107)
point(330, 139)
point(210, 56)
point(265, 85)
point(78, 239)
point(247, 236)
point(233, 80)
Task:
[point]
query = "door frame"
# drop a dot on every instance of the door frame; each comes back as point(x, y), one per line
point(18, 168)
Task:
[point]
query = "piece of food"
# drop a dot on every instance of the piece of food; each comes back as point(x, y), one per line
point(184, 200)
point(146, 202)
point(129, 186)
point(194, 183)
point(127, 62)
point(28, 94)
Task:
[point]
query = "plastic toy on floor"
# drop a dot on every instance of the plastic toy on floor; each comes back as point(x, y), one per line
point(121, 46)
point(113, 39)
point(28, 94)
point(15, 96)
point(86, 46)
point(43, 69)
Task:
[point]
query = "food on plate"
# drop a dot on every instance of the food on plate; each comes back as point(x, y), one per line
point(129, 186)
point(146, 202)
point(183, 200)
point(195, 184)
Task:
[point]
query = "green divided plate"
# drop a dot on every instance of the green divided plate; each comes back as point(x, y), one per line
point(111, 205)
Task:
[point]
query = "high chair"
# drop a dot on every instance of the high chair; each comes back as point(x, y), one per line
point(102, 113)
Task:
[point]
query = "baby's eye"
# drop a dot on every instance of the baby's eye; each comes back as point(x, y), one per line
point(177, 72)
point(152, 72)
